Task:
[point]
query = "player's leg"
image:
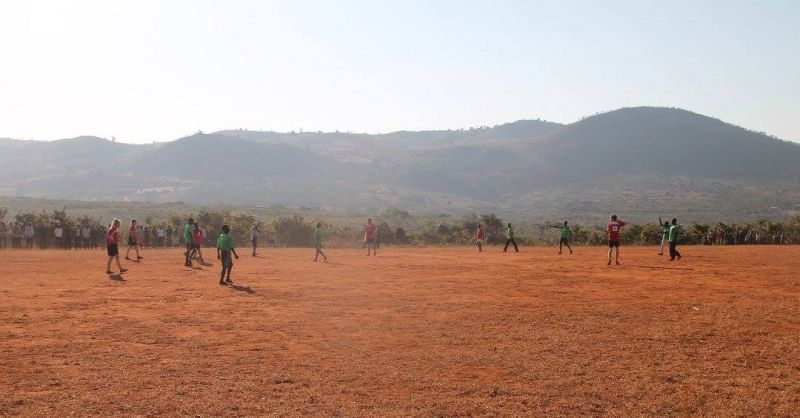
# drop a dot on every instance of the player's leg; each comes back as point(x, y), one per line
point(661, 248)
point(567, 244)
point(505, 248)
point(480, 246)
point(513, 241)
point(617, 254)
point(108, 266)
point(610, 249)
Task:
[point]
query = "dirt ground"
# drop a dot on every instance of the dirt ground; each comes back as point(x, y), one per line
point(413, 331)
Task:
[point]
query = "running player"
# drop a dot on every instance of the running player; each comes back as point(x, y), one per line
point(673, 240)
point(369, 236)
point(664, 235)
point(319, 242)
point(187, 239)
point(224, 250)
point(133, 240)
point(564, 234)
point(112, 238)
point(510, 239)
point(479, 238)
point(613, 229)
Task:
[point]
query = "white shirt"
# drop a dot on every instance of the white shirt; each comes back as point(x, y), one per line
point(86, 232)
point(59, 232)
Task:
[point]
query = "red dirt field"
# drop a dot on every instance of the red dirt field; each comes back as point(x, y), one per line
point(413, 331)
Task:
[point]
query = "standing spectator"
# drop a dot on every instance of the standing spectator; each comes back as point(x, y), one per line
point(160, 236)
point(86, 237)
point(42, 236)
point(76, 243)
point(3, 234)
point(16, 235)
point(146, 230)
point(28, 235)
point(168, 236)
point(58, 233)
point(254, 236)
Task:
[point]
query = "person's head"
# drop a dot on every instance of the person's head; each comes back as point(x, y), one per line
point(509, 224)
point(226, 229)
point(479, 226)
point(666, 223)
point(196, 226)
point(133, 222)
point(319, 225)
point(369, 221)
point(565, 223)
point(674, 221)
point(116, 223)
point(613, 217)
point(191, 221)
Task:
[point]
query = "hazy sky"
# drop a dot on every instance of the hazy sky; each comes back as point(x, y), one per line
point(158, 70)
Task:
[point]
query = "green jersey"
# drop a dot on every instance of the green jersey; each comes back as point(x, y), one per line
point(510, 233)
point(673, 232)
point(666, 231)
point(565, 231)
point(187, 233)
point(225, 242)
point(319, 237)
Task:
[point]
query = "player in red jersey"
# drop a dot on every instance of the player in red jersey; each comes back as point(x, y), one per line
point(613, 229)
point(112, 238)
point(370, 232)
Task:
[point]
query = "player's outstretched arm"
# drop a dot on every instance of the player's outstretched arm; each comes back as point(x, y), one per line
point(233, 250)
point(217, 253)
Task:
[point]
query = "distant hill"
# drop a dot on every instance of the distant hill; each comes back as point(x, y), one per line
point(641, 161)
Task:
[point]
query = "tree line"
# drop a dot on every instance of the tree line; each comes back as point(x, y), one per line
point(297, 231)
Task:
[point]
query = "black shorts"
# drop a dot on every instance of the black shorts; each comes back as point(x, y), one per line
point(227, 260)
point(369, 240)
point(564, 241)
point(131, 241)
point(613, 244)
point(195, 246)
point(112, 250)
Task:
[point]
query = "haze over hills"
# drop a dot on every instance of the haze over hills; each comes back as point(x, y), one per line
point(642, 162)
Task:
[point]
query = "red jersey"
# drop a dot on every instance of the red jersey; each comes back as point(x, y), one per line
point(112, 236)
point(197, 236)
point(132, 232)
point(613, 230)
point(479, 234)
point(369, 231)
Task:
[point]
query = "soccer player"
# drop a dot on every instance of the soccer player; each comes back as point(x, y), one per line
point(510, 239)
point(564, 234)
point(613, 229)
point(319, 241)
point(664, 235)
point(479, 238)
point(133, 241)
point(369, 236)
point(197, 243)
point(254, 236)
point(224, 250)
point(187, 239)
point(112, 238)
point(673, 240)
